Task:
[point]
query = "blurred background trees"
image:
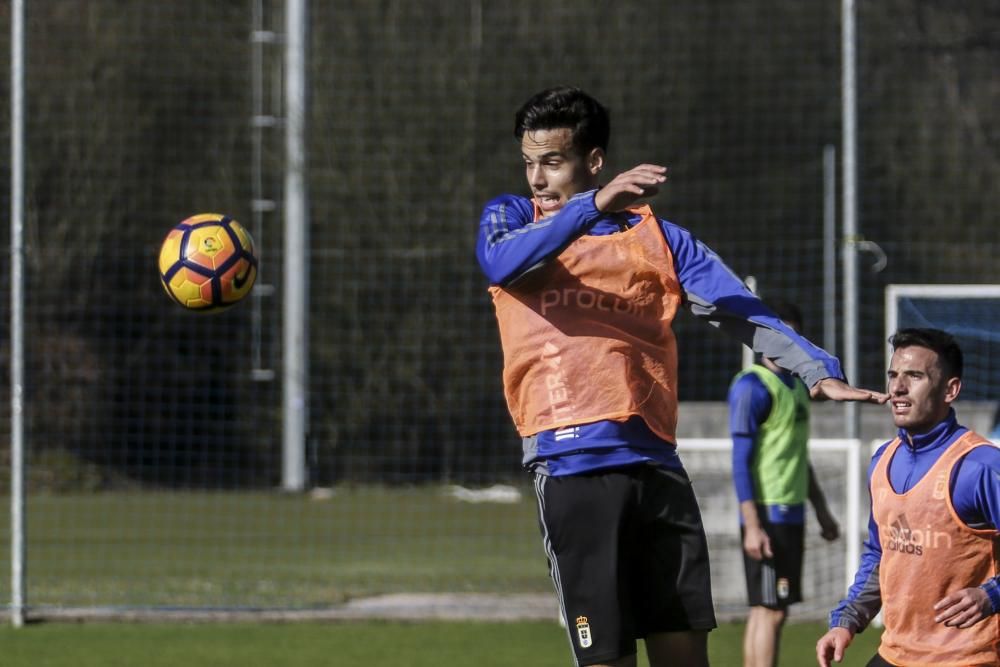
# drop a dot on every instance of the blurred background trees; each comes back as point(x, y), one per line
point(139, 115)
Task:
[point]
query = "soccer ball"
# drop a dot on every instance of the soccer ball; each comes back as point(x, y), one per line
point(208, 263)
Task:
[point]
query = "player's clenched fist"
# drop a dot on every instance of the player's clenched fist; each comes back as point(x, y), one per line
point(625, 188)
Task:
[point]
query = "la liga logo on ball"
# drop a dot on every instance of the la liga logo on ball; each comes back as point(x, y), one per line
point(208, 262)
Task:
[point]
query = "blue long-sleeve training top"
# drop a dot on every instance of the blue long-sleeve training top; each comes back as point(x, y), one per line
point(975, 493)
point(749, 407)
point(511, 243)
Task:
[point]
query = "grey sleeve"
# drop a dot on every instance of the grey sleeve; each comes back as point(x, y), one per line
point(864, 603)
point(749, 321)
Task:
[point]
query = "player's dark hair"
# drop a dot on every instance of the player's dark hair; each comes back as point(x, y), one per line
point(568, 107)
point(787, 312)
point(942, 342)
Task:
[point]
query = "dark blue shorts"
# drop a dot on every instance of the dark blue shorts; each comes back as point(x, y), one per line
point(628, 557)
point(776, 582)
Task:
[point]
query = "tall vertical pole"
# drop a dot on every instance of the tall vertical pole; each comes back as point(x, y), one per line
point(296, 271)
point(830, 249)
point(17, 529)
point(261, 122)
point(855, 521)
point(850, 201)
point(851, 292)
point(748, 356)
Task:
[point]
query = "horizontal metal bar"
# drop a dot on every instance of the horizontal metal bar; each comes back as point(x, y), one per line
point(266, 37)
point(266, 121)
point(263, 205)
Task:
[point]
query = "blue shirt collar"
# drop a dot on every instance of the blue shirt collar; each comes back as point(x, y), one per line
point(939, 434)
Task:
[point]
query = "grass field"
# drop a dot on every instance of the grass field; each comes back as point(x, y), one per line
point(533, 644)
point(172, 549)
point(154, 549)
point(217, 551)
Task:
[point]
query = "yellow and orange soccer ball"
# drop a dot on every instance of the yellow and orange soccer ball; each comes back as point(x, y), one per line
point(208, 262)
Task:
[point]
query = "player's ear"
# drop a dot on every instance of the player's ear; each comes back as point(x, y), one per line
point(951, 389)
point(595, 160)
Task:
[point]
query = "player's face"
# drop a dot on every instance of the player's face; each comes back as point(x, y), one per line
point(919, 394)
point(555, 170)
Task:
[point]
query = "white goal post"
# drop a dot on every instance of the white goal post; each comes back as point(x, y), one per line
point(829, 568)
point(968, 312)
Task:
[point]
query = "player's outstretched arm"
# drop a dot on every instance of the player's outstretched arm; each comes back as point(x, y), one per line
point(629, 186)
point(832, 645)
point(838, 390)
point(963, 608)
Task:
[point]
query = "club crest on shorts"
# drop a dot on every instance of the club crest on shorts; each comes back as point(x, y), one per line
point(583, 632)
point(783, 588)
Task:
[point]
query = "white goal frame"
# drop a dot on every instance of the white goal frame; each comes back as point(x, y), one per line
point(894, 292)
point(855, 486)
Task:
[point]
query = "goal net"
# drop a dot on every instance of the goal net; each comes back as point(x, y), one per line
point(969, 312)
point(828, 567)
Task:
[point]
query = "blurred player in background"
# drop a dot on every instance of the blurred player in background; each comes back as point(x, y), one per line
point(585, 286)
point(931, 558)
point(769, 425)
